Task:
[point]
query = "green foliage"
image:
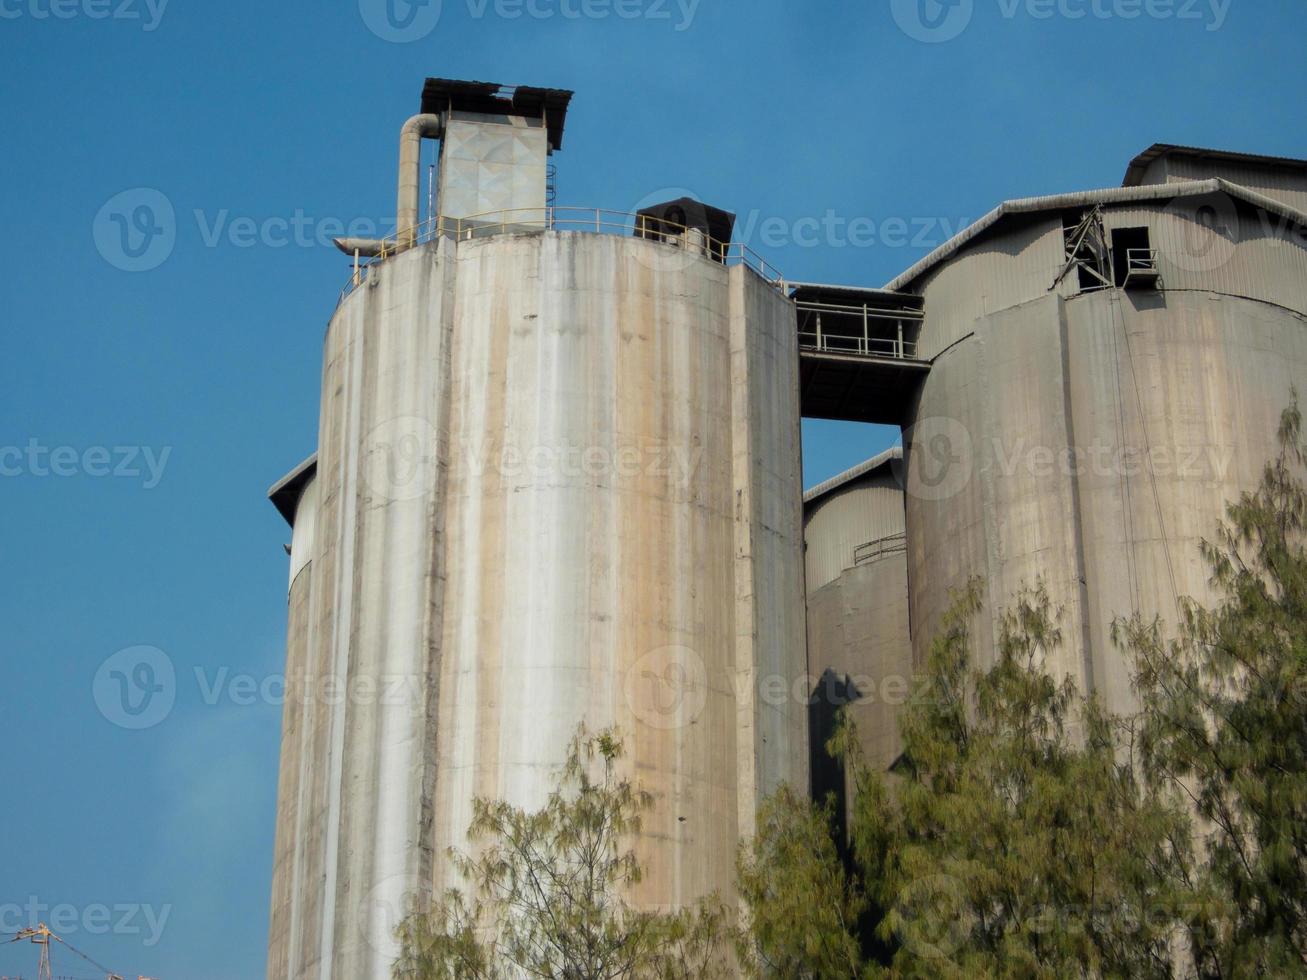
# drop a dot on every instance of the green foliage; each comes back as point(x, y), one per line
point(1224, 724)
point(547, 892)
point(1028, 833)
point(804, 909)
point(1017, 843)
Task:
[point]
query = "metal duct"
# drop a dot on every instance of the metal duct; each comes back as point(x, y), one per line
point(418, 128)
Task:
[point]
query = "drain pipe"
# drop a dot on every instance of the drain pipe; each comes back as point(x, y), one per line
point(417, 129)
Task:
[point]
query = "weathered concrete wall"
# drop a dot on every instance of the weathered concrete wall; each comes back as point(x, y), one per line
point(366, 764)
point(858, 629)
point(859, 644)
point(1094, 439)
point(558, 482)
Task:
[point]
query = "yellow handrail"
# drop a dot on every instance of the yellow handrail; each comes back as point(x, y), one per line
point(567, 218)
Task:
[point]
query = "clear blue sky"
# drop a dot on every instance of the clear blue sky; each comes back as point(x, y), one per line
point(257, 111)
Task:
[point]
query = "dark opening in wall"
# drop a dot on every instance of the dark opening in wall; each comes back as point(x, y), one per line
point(1130, 247)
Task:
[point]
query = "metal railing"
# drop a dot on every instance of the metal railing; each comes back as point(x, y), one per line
point(862, 330)
point(1141, 267)
point(1141, 260)
point(595, 220)
point(893, 544)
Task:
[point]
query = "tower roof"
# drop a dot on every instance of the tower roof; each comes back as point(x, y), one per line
point(492, 98)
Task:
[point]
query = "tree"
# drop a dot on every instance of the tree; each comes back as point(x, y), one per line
point(1224, 724)
point(1013, 841)
point(803, 907)
point(546, 888)
point(1027, 832)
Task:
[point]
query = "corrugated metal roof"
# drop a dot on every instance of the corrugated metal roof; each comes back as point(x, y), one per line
point(1139, 164)
point(849, 475)
point(1083, 199)
point(819, 290)
point(493, 98)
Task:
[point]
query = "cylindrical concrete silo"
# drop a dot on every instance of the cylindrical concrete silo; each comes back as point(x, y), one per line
point(859, 646)
point(1086, 418)
point(557, 482)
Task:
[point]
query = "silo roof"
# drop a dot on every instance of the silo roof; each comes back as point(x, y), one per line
point(1084, 199)
point(887, 458)
point(1135, 171)
point(285, 493)
point(492, 98)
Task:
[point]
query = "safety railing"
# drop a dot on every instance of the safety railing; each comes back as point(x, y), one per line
point(892, 544)
point(864, 330)
point(1141, 267)
point(1141, 259)
point(552, 218)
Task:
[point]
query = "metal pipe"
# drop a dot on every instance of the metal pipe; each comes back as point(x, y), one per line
point(419, 127)
point(410, 172)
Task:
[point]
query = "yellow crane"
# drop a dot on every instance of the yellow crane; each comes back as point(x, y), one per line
point(43, 937)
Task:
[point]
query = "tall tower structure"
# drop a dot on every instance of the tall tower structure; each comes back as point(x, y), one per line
point(556, 482)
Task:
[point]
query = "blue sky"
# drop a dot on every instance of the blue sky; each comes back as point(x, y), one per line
point(169, 399)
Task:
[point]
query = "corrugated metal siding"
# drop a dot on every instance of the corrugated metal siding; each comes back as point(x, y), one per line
point(1007, 268)
point(865, 510)
point(1282, 185)
point(1265, 262)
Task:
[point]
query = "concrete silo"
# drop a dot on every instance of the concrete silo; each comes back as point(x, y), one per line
point(1107, 370)
point(557, 481)
point(859, 645)
point(1083, 382)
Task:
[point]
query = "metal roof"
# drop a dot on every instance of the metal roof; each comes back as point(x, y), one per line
point(492, 98)
point(1083, 199)
point(1139, 164)
point(285, 493)
point(820, 291)
point(887, 458)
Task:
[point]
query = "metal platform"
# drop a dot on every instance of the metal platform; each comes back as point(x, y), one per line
point(857, 352)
